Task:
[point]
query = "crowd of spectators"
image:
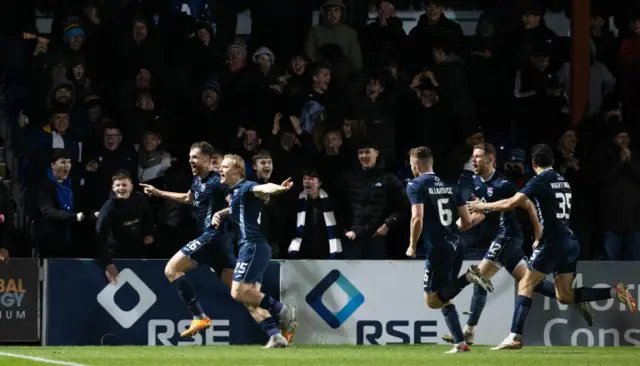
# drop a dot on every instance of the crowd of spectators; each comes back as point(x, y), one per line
point(117, 93)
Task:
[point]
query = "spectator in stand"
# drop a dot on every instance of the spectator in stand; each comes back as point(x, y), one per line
point(384, 37)
point(533, 31)
point(153, 163)
point(277, 210)
point(451, 76)
point(56, 226)
point(317, 232)
point(514, 167)
point(603, 40)
point(7, 228)
point(114, 154)
point(432, 26)
point(618, 169)
point(601, 82)
point(291, 147)
point(125, 224)
point(53, 135)
point(376, 107)
point(374, 202)
point(332, 30)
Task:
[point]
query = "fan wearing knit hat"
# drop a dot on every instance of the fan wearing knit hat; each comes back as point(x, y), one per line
point(73, 33)
point(236, 56)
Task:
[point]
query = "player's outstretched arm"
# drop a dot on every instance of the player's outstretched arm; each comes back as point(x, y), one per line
point(507, 204)
point(273, 189)
point(218, 216)
point(185, 198)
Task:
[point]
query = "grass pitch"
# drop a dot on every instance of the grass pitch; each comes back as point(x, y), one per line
point(314, 356)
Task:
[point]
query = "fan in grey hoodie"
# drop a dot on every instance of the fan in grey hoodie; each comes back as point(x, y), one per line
point(332, 30)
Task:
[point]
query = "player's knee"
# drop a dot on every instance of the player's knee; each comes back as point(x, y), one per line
point(170, 272)
point(564, 297)
point(433, 301)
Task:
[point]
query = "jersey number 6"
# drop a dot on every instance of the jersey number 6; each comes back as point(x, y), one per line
point(446, 216)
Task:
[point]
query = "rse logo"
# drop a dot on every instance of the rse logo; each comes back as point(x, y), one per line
point(355, 299)
point(107, 297)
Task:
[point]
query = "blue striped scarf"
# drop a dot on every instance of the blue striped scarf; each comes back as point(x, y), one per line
point(335, 246)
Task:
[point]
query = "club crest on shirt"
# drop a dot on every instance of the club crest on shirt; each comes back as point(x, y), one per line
point(490, 191)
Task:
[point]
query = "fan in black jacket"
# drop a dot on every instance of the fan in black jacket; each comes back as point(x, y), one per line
point(125, 224)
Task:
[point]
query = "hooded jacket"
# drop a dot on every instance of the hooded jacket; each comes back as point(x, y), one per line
point(340, 34)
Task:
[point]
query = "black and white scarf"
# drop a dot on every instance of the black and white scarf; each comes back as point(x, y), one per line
point(335, 246)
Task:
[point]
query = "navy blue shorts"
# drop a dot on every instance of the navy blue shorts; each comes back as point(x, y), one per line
point(506, 252)
point(557, 254)
point(253, 261)
point(443, 260)
point(215, 251)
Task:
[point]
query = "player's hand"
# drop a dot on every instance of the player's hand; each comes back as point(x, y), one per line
point(287, 184)
point(149, 190)
point(148, 240)
point(295, 122)
point(276, 123)
point(112, 273)
point(4, 255)
point(411, 252)
point(382, 230)
point(23, 120)
point(351, 235)
point(535, 244)
point(625, 155)
point(476, 206)
point(79, 216)
point(216, 220)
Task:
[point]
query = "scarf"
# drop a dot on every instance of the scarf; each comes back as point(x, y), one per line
point(64, 195)
point(335, 246)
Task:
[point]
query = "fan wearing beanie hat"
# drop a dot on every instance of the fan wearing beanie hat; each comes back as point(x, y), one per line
point(73, 33)
point(236, 56)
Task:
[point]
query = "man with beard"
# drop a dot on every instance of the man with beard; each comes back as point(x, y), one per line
point(214, 246)
point(506, 237)
point(125, 224)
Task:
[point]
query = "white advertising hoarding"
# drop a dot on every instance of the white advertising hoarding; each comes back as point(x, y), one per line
point(382, 302)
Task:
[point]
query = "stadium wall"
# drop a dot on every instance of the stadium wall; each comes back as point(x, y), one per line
point(339, 302)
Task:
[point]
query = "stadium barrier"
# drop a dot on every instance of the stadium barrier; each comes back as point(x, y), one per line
point(339, 302)
point(553, 324)
point(20, 301)
point(381, 302)
point(143, 308)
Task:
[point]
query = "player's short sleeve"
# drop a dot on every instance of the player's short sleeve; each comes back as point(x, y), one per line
point(532, 187)
point(415, 194)
point(248, 187)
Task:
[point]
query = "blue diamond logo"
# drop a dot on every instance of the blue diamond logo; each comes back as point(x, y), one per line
point(355, 299)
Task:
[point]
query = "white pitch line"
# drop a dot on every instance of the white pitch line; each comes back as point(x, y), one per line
point(40, 359)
